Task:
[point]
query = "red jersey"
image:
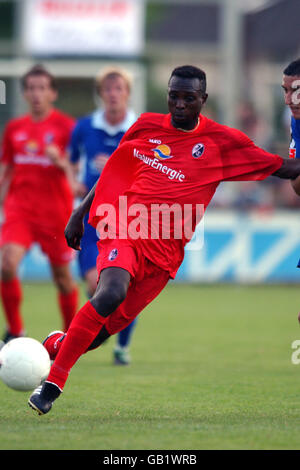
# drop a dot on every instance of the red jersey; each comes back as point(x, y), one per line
point(157, 163)
point(39, 191)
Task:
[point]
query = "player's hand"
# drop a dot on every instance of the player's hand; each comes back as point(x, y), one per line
point(80, 189)
point(74, 230)
point(100, 161)
point(53, 152)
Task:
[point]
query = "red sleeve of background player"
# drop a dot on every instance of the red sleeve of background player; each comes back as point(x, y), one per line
point(7, 154)
point(242, 160)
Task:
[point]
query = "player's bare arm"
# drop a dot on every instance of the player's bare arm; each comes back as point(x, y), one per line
point(79, 189)
point(296, 185)
point(290, 169)
point(61, 161)
point(75, 227)
point(5, 177)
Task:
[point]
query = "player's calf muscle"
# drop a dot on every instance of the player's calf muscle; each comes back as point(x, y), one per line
point(63, 278)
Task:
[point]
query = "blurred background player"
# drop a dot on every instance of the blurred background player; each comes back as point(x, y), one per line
point(38, 199)
point(94, 139)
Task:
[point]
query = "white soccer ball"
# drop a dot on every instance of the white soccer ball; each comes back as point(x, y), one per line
point(24, 364)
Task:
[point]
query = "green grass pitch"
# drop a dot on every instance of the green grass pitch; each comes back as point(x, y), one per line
point(211, 369)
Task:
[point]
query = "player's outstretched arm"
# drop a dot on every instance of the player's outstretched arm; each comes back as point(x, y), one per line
point(296, 185)
point(290, 169)
point(75, 227)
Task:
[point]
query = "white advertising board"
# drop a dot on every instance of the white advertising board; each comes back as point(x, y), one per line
point(83, 27)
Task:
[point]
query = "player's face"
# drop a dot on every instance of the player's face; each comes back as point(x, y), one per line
point(115, 94)
point(185, 101)
point(39, 94)
point(291, 89)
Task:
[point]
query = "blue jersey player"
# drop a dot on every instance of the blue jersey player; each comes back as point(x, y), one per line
point(291, 88)
point(94, 139)
point(295, 137)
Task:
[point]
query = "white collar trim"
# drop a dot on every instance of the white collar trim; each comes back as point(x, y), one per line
point(99, 122)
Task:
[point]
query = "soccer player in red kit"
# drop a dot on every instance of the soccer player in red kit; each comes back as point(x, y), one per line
point(39, 199)
point(172, 160)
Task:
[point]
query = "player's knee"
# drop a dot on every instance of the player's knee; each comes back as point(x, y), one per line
point(108, 299)
point(91, 278)
point(63, 281)
point(8, 268)
point(7, 274)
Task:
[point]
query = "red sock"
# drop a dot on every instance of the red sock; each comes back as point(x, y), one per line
point(82, 331)
point(11, 293)
point(68, 304)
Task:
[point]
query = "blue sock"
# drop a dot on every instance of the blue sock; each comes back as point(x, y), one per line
point(124, 337)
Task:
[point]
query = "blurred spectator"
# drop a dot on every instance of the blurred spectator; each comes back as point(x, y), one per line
point(254, 125)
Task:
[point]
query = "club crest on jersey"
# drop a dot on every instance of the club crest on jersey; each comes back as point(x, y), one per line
point(162, 152)
point(113, 254)
point(198, 150)
point(49, 137)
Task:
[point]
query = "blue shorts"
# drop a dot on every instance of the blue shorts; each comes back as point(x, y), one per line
point(87, 257)
point(298, 265)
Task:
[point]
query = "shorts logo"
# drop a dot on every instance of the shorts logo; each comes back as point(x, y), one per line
point(198, 150)
point(113, 254)
point(162, 152)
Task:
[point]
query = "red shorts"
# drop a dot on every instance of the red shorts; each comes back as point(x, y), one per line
point(25, 233)
point(147, 280)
